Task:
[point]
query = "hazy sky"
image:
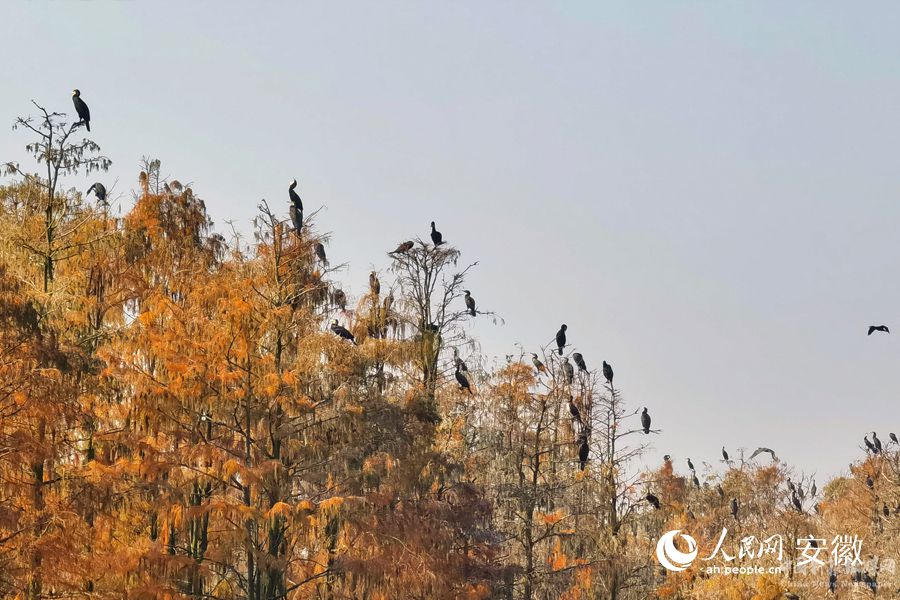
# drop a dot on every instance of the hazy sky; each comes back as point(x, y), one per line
point(706, 192)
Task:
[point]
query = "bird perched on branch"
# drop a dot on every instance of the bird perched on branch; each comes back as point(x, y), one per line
point(869, 444)
point(724, 454)
point(645, 420)
point(320, 254)
point(403, 248)
point(576, 414)
point(537, 363)
point(340, 299)
point(876, 442)
point(459, 363)
point(583, 452)
point(296, 209)
point(653, 500)
point(462, 381)
point(690, 464)
point(84, 113)
point(436, 236)
point(561, 338)
point(470, 302)
point(374, 284)
point(341, 331)
point(568, 371)
point(893, 437)
point(881, 328)
point(579, 361)
point(607, 372)
point(99, 190)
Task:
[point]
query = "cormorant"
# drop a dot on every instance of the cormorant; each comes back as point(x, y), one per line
point(320, 253)
point(402, 248)
point(696, 482)
point(463, 382)
point(561, 338)
point(724, 454)
point(579, 361)
point(583, 452)
point(537, 363)
point(459, 363)
point(893, 437)
point(791, 486)
point(869, 444)
point(872, 328)
point(436, 236)
point(653, 500)
point(341, 331)
point(340, 298)
point(374, 284)
point(99, 189)
point(812, 490)
point(470, 302)
point(690, 465)
point(760, 450)
point(82, 109)
point(796, 502)
point(296, 209)
point(569, 371)
point(876, 442)
point(645, 420)
point(576, 414)
point(607, 372)
point(734, 508)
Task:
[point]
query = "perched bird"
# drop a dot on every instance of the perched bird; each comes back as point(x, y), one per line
point(645, 420)
point(583, 452)
point(320, 253)
point(82, 109)
point(812, 490)
point(296, 209)
point(690, 465)
point(341, 331)
point(796, 502)
point(869, 481)
point(579, 361)
point(561, 338)
point(893, 437)
point(339, 298)
point(459, 363)
point(696, 482)
point(724, 454)
point(99, 189)
point(568, 371)
point(869, 445)
point(576, 414)
point(403, 248)
point(653, 500)
point(791, 486)
point(462, 381)
point(470, 302)
point(872, 328)
point(607, 372)
point(760, 450)
point(885, 511)
point(374, 284)
point(734, 508)
point(436, 236)
point(876, 442)
point(537, 363)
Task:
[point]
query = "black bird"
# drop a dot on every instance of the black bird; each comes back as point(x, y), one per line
point(82, 109)
point(653, 500)
point(645, 420)
point(760, 450)
point(341, 331)
point(463, 382)
point(320, 253)
point(696, 482)
point(579, 361)
point(869, 444)
point(724, 454)
point(607, 372)
point(470, 302)
point(99, 189)
point(734, 508)
point(561, 338)
point(872, 328)
point(886, 511)
point(796, 502)
point(576, 414)
point(436, 236)
point(832, 581)
point(583, 452)
point(876, 442)
point(403, 248)
point(296, 209)
point(667, 458)
point(569, 371)
point(791, 486)
point(893, 437)
point(690, 465)
point(340, 298)
point(869, 481)
point(459, 363)
point(812, 490)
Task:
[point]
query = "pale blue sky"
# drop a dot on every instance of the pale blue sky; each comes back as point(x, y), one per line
point(706, 192)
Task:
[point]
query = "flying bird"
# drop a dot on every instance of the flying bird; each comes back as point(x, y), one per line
point(653, 500)
point(583, 452)
point(320, 253)
point(463, 382)
point(569, 371)
point(579, 361)
point(403, 248)
point(561, 338)
point(82, 109)
point(607, 372)
point(341, 332)
point(436, 236)
point(470, 302)
point(872, 328)
point(374, 284)
point(724, 454)
point(645, 420)
point(296, 209)
point(761, 450)
point(537, 363)
point(99, 190)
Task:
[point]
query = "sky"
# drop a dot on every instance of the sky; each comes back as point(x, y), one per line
point(705, 192)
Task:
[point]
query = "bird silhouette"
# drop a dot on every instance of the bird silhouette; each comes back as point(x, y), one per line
point(470, 302)
point(690, 464)
point(82, 109)
point(339, 298)
point(537, 363)
point(724, 454)
point(870, 482)
point(576, 414)
point(874, 328)
point(459, 363)
point(320, 254)
point(869, 445)
point(296, 209)
point(463, 382)
point(99, 190)
point(568, 371)
point(645, 420)
point(653, 500)
point(374, 284)
point(436, 236)
point(579, 361)
point(561, 338)
point(403, 248)
point(607, 372)
point(583, 452)
point(762, 449)
point(341, 331)
point(893, 437)
point(876, 442)
point(734, 508)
